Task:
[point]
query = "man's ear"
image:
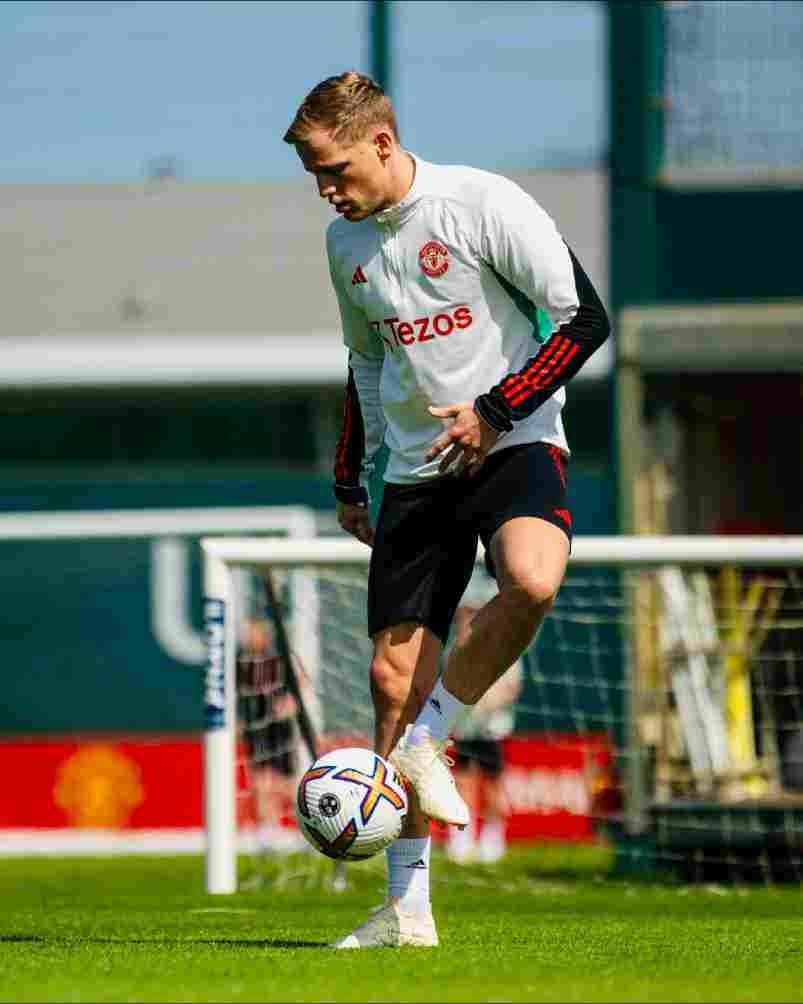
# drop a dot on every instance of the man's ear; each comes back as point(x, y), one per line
point(384, 143)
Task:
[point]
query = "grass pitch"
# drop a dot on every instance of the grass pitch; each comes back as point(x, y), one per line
point(142, 929)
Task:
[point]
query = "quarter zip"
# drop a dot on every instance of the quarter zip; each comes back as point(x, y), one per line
point(392, 260)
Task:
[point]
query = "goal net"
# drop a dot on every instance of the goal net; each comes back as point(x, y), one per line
point(659, 720)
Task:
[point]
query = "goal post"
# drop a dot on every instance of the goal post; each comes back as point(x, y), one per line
point(643, 645)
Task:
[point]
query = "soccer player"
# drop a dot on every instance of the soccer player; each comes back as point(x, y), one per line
point(440, 274)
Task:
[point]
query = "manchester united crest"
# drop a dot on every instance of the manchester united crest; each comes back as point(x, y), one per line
point(433, 259)
point(99, 787)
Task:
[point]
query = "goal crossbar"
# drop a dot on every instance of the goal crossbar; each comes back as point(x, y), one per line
point(626, 550)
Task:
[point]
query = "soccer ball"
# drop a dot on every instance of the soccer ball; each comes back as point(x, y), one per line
point(351, 804)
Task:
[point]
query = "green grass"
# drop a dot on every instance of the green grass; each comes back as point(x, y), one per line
point(142, 929)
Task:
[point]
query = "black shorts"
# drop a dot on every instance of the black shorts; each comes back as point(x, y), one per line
point(427, 535)
point(485, 753)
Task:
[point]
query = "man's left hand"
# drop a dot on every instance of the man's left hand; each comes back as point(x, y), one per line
point(464, 446)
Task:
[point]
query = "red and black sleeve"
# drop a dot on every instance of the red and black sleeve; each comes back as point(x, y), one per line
point(350, 449)
point(518, 394)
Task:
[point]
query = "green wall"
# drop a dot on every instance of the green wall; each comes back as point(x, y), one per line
point(77, 651)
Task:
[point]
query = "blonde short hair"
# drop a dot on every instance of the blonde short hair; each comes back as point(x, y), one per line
point(347, 105)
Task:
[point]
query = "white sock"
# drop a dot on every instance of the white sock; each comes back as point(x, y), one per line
point(408, 872)
point(439, 715)
point(492, 837)
point(268, 834)
point(461, 841)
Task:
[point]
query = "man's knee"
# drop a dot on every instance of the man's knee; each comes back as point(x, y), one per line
point(530, 557)
point(531, 592)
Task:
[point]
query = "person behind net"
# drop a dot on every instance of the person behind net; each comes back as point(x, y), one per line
point(266, 710)
point(478, 750)
point(440, 273)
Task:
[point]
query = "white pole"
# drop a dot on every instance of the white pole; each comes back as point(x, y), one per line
point(220, 701)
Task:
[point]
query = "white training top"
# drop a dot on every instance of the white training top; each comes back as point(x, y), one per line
point(438, 298)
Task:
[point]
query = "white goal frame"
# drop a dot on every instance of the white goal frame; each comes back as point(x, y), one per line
point(223, 555)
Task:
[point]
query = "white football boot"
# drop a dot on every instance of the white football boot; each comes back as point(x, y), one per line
point(426, 767)
point(389, 925)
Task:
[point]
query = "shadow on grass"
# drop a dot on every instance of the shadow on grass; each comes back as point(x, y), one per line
point(167, 942)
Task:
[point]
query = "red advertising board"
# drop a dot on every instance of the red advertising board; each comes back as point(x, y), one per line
point(102, 783)
point(126, 783)
point(553, 785)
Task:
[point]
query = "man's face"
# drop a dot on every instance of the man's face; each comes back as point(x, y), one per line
point(351, 178)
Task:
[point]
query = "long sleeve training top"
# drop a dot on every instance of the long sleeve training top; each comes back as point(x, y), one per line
point(463, 291)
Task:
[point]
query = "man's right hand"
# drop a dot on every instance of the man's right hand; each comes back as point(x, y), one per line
point(356, 520)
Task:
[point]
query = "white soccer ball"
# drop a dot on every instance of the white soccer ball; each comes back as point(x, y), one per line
point(351, 803)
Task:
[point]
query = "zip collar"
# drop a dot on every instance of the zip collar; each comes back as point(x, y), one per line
point(394, 216)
